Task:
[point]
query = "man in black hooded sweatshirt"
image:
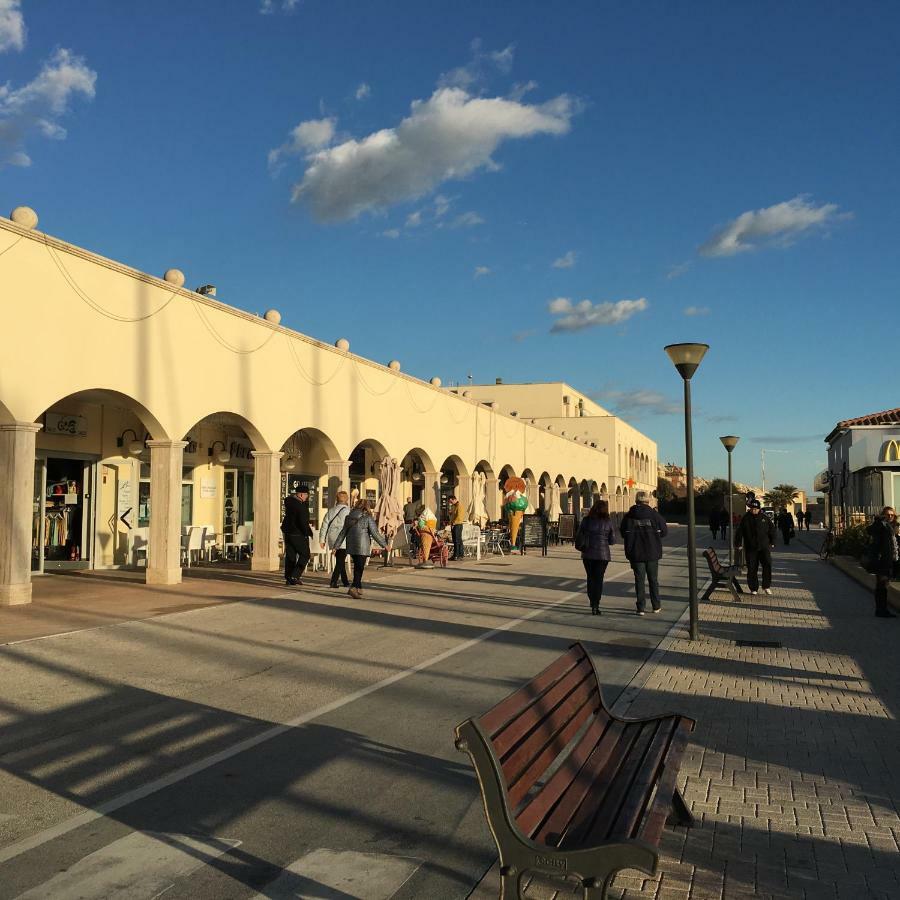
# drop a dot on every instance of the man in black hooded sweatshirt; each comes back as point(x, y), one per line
point(757, 535)
point(643, 529)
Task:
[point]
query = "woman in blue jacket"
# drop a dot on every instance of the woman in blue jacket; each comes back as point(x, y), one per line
point(359, 530)
point(594, 537)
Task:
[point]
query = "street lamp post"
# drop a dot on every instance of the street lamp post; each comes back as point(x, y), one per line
point(686, 358)
point(730, 442)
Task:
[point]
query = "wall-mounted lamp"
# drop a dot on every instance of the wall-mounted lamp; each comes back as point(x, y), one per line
point(135, 447)
point(223, 456)
point(289, 464)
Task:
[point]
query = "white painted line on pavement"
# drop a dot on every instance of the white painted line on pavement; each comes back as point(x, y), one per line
point(139, 866)
point(158, 784)
point(325, 874)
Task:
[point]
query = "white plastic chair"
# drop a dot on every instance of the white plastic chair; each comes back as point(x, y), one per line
point(241, 541)
point(192, 542)
point(318, 558)
point(209, 542)
point(139, 544)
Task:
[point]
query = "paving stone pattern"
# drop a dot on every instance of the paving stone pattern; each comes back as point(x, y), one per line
point(793, 773)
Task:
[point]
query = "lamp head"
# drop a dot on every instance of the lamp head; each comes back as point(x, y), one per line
point(729, 442)
point(135, 447)
point(686, 357)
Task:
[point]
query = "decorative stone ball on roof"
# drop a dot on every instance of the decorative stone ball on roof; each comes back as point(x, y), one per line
point(435, 382)
point(342, 344)
point(394, 365)
point(273, 316)
point(24, 216)
point(174, 276)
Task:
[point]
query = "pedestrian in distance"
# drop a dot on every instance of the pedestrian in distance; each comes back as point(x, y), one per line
point(594, 537)
point(885, 557)
point(723, 523)
point(808, 519)
point(714, 523)
point(359, 530)
point(409, 510)
point(785, 522)
point(756, 534)
point(332, 523)
point(457, 520)
point(297, 531)
point(643, 529)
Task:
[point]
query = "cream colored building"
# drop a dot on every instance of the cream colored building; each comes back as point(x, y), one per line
point(560, 409)
point(132, 407)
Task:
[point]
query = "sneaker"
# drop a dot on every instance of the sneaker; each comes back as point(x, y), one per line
point(768, 591)
point(354, 593)
point(657, 610)
point(640, 612)
point(754, 593)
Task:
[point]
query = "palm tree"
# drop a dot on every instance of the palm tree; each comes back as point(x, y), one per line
point(782, 495)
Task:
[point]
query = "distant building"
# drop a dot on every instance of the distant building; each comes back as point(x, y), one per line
point(863, 473)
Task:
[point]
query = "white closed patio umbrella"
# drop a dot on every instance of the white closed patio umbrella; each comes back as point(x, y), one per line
point(477, 511)
point(555, 506)
point(388, 512)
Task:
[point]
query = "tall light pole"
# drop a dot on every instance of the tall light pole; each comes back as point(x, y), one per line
point(686, 358)
point(730, 442)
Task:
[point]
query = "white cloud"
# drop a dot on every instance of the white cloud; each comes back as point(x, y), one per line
point(678, 271)
point(441, 206)
point(270, 7)
point(467, 220)
point(451, 135)
point(477, 69)
point(579, 316)
point(414, 219)
point(307, 137)
point(392, 233)
point(565, 262)
point(776, 225)
point(36, 107)
point(363, 91)
point(638, 402)
point(481, 270)
point(696, 311)
point(12, 26)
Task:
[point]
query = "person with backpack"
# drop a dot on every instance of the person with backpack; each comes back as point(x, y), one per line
point(882, 557)
point(643, 529)
point(332, 523)
point(593, 539)
point(359, 530)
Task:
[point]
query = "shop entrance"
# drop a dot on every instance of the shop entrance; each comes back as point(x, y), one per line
point(62, 532)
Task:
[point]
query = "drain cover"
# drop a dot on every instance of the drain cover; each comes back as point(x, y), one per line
point(774, 644)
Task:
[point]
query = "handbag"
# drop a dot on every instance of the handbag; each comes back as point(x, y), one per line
point(869, 558)
point(579, 537)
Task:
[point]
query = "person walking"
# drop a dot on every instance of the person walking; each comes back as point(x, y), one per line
point(786, 526)
point(358, 531)
point(643, 529)
point(724, 523)
point(457, 520)
point(593, 539)
point(756, 534)
point(331, 527)
point(807, 518)
point(297, 531)
point(714, 523)
point(885, 557)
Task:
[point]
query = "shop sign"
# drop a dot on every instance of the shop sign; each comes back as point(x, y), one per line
point(891, 451)
point(207, 488)
point(70, 426)
point(124, 502)
point(240, 451)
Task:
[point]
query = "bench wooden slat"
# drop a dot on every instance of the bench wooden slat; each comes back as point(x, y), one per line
point(596, 775)
point(533, 815)
point(655, 821)
point(625, 823)
point(496, 717)
point(536, 754)
point(548, 711)
point(591, 824)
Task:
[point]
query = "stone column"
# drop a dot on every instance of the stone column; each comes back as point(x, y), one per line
point(338, 478)
point(16, 511)
point(164, 547)
point(266, 510)
point(431, 492)
point(533, 493)
point(464, 490)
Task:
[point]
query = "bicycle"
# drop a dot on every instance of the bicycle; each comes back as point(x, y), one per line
point(827, 548)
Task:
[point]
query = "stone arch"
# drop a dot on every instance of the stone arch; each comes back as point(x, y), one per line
point(229, 422)
point(595, 492)
point(544, 493)
point(492, 496)
point(107, 396)
point(314, 435)
point(618, 501)
point(6, 417)
point(454, 481)
point(532, 491)
point(413, 466)
point(573, 495)
point(365, 458)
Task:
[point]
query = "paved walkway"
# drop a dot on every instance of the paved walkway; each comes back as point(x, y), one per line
point(793, 773)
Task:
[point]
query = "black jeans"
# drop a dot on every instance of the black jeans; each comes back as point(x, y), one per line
point(359, 563)
point(881, 586)
point(754, 558)
point(296, 555)
point(340, 569)
point(649, 571)
point(457, 542)
point(595, 569)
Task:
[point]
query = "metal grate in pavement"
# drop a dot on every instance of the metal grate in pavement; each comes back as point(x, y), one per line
point(775, 644)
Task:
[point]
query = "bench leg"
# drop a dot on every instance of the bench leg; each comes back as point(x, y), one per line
point(709, 591)
point(680, 814)
point(509, 883)
point(735, 589)
point(737, 584)
point(595, 888)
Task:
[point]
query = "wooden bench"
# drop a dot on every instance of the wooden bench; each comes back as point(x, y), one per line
point(720, 575)
point(569, 789)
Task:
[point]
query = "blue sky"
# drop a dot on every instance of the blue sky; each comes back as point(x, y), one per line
point(446, 182)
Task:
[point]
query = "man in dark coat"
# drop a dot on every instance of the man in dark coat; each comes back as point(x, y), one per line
point(643, 529)
point(297, 531)
point(786, 526)
point(885, 557)
point(756, 534)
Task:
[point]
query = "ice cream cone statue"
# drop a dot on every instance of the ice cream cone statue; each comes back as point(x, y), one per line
point(426, 523)
point(515, 502)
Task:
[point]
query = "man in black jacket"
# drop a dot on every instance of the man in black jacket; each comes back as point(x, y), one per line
point(643, 529)
point(297, 531)
point(757, 534)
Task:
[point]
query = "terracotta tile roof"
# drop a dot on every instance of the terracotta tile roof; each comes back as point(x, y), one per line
point(887, 417)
